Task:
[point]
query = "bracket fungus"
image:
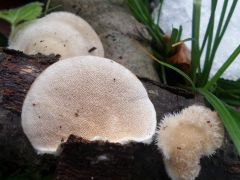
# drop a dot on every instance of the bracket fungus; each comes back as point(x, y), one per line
point(187, 136)
point(57, 33)
point(88, 96)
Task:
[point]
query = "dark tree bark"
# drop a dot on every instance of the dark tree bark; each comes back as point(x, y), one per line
point(17, 157)
point(97, 160)
point(17, 72)
point(80, 158)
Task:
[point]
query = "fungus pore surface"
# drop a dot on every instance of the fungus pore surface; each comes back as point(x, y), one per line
point(57, 33)
point(91, 97)
point(185, 137)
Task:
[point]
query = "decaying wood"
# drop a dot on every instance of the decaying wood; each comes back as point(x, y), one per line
point(17, 157)
point(81, 159)
point(98, 160)
point(18, 71)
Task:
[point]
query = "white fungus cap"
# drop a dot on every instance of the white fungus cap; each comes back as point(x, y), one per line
point(88, 96)
point(57, 33)
point(185, 137)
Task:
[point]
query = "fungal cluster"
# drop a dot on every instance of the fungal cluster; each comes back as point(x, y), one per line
point(97, 98)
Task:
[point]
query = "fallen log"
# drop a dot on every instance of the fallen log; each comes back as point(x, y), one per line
point(18, 71)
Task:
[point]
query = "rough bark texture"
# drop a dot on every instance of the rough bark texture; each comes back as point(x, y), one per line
point(108, 161)
point(81, 159)
point(17, 72)
point(17, 157)
point(120, 33)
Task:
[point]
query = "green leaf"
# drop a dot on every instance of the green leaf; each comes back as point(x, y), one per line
point(229, 117)
point(25, 13)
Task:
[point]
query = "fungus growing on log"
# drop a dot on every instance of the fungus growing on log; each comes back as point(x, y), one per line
point(88, 96)
point(187, 136)
point(57, 33)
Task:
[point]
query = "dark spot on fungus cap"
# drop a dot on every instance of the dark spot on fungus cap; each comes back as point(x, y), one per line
point(76, 114)
point(92, 49)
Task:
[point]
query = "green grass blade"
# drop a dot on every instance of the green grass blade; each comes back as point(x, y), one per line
point(195, 37)
point(231, 11)
point(209, 37)
point(208, 66)
point(231, 101)
point(140, 9)
point(173, 40)
point(219, 73)
point(229, 83)
point(159, 11)
point(210, 24)
point(170, 67)
point(228, 91)
point(222, 26)
point(229, 120)
point(179, 34)
point(181, 41)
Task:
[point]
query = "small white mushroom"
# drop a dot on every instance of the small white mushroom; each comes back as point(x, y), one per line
point(57, 33)
point(187, 136)
point(89, 96)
